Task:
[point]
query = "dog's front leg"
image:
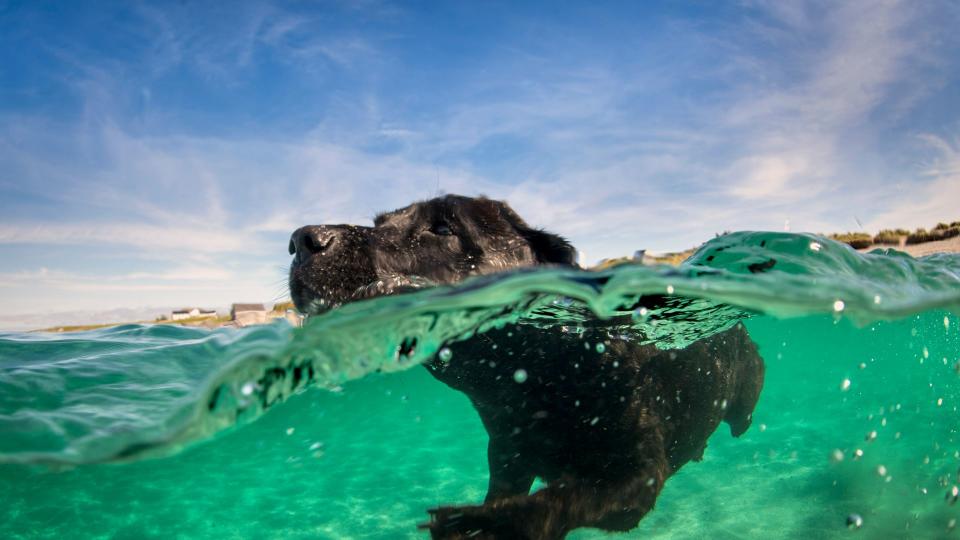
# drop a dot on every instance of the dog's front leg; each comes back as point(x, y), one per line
point(554, 511)
point(612, 503)
point(509, 473)
point(521, 517)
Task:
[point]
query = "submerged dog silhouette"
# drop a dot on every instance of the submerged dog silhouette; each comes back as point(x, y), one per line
point(603, 425)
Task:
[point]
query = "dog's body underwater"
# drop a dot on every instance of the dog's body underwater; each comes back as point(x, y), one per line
point(604, 426)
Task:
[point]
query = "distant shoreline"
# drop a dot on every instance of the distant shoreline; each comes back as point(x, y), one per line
point(950, 245)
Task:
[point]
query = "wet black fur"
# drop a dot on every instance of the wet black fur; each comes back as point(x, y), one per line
point(604, 430)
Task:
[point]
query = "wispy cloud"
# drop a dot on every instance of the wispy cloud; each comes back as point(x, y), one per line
point(193, 144)
point(935, 199)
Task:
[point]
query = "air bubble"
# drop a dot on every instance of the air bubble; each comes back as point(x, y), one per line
point(854, 521)
point(248, 388)
point(836, 456)
point(838, 306)
point(845, 385)
point(520, 375)
point(445, 354)
point(601, 348)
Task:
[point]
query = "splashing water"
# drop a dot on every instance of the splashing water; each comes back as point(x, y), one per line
point(861, 354)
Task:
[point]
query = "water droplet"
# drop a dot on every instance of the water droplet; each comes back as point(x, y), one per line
point(863, 365)
point(946, 323)
point(815, 246)
point(669, 289)
point(445, 354)
point(290, 431)
point(601, 348)
point(763, 427)
point(836, 456)
point(845, 385)
point(316, 446)
point(640, 313)
point(857, 454)
point(248, 388)
point(595, 420)
point(881, 470)
point(939, 402)
point(838, 306)
point(876, 299)
point(520, 375)
point(926, 353)
point(872, 436)
point(854, 521)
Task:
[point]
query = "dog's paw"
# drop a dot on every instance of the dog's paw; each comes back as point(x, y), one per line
point(461, 523)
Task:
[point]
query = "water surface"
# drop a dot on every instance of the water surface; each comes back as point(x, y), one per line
point(333, 431)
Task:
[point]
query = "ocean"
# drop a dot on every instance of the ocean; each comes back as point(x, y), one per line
point(333, 430)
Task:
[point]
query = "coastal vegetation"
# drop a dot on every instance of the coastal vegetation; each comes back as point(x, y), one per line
point(283, 307)
point(856, 240)
point(898, 237)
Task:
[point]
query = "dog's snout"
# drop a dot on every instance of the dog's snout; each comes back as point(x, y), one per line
point(311, 240)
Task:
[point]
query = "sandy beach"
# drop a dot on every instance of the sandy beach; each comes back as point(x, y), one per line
point(950, 245)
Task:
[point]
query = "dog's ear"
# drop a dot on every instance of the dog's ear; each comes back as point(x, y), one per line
point(549, 248)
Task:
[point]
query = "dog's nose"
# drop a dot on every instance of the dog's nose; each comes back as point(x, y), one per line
point(311, 240)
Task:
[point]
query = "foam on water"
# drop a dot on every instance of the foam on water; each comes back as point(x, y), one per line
point(368, 458)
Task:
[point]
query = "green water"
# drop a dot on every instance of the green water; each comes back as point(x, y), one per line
point(160, 432)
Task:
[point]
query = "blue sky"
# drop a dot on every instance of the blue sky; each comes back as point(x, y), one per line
point(160, 154)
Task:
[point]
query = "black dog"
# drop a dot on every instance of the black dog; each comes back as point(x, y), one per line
point(603, 422)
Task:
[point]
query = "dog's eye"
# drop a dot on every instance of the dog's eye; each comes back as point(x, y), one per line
point(441, 229)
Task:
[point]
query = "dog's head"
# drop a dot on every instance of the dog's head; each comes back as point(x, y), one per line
point(439, 241)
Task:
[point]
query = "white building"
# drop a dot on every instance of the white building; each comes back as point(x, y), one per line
point(247, 314)
point(191, 313)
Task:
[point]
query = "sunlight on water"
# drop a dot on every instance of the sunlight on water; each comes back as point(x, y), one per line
point(856, 424)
